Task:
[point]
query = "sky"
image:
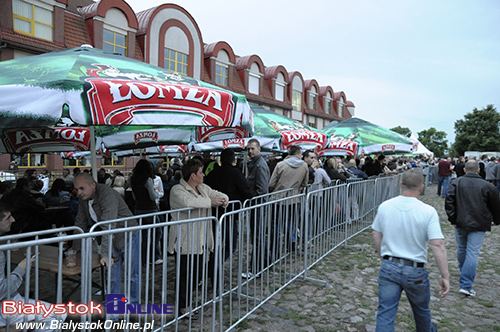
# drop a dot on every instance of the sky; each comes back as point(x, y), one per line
point(416, 64)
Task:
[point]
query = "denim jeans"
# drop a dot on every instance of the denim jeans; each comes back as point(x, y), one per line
point(443, 181)
point(116, 269)
point(394, 277)
point(469, 245)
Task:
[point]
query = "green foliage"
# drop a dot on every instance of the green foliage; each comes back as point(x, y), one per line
point(478, 131)
point(434, 140)
point(405, 131)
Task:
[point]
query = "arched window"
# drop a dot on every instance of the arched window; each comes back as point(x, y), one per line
point(115, 32)
point(254, 79)
point(340, 110)
point(297, 96)
point(280, 87)
point(328, 103)
point(34, 18)
point(176, 56)
point(312, 98)
point(222, 68)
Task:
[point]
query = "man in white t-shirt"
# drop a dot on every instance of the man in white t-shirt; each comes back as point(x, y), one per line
point(401, 229)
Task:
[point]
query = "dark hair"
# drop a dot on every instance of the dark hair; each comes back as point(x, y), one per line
point(29, 172)
point(141, 172)
point(37, 185)
point(57, 187)
point(190, 167)
point(294, 150)
point(6, 186)
point(227, 156)
point(169, 173)
point(22, 182)
point(4, 208)
point(200, 158)
point(307, 153)
point(381, 157)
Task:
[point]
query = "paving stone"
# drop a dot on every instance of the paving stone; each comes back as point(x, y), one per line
point(350, 304)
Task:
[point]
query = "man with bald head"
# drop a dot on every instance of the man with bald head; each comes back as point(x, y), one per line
point(472, 205)
point(401, 230)
point(99, 202)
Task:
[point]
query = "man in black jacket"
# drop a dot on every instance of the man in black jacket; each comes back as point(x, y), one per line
point(472, 205)
point(229, 180)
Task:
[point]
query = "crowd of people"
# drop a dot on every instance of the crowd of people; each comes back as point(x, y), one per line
point(204, 184)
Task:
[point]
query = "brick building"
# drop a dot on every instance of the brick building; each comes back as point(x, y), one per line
point(166, 36)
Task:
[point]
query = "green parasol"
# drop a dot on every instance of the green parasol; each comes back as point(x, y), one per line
point(370, 138)
point(275, 133)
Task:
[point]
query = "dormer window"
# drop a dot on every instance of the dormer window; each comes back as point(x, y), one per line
point(176, 61)
point(222, 68)
point(114, 42)
point(328, 103)
point(297, 88)
point(221, 74)
point(115, 31)
point(33, 18)
point(280, 87)
point(254, 79)
point(296, 100)
point(340, 110)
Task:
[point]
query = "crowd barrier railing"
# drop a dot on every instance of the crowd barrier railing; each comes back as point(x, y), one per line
point(173, 266)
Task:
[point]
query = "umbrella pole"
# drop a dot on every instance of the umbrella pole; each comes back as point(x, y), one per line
point(93, 158)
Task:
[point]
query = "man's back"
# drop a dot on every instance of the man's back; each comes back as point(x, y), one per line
point(229, 180)
point(289, 173)
point(407, 225)
point(444, 168)
point(472, 203)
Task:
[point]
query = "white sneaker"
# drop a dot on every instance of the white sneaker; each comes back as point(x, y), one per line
point(466, 292)
point(158, 261)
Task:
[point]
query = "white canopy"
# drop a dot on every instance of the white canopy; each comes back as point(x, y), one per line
point(421, 149)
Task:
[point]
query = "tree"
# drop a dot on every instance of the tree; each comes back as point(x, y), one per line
point(434, 140)
point(402, 130)
point(479, 131)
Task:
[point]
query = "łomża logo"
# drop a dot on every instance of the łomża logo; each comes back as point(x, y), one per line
point(118, 304)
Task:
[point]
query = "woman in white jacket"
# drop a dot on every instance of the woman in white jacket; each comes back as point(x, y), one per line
point(192, 240)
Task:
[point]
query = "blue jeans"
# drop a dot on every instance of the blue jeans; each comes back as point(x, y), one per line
point(116, 269)
point(469, 245)
point(394, 277)
point(443, 181)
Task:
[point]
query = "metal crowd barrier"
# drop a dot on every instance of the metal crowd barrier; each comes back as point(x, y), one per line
point(257, 249)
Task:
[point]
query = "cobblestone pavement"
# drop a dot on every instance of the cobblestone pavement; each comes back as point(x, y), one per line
point(349, 302)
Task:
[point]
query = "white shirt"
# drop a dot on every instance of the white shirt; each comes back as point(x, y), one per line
point(92, 213)
point(407, 224)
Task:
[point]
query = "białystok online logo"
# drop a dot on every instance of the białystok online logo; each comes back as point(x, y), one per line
point(115, 304)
